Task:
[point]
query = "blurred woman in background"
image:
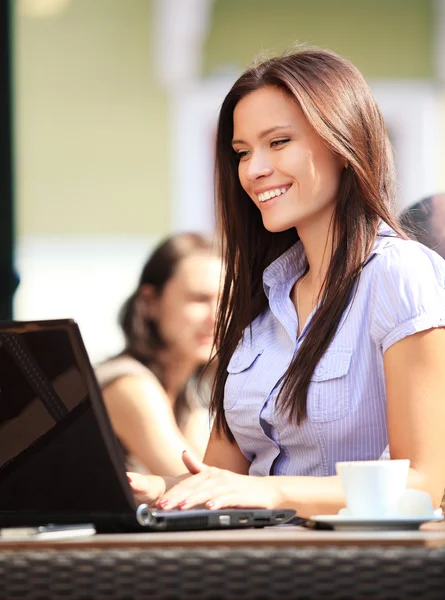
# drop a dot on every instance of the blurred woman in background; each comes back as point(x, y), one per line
point(151, 388)
point(425, 220)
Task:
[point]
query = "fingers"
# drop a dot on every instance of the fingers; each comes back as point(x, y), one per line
point(225, 496)
point(201, 497)
point(193, 465)
point(146, 488)
point(231, 500)
point(216, 488)
point(187, 488)
point(200, 489)
point(137, 481)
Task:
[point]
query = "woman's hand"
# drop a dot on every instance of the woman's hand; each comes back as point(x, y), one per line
point(147, 488)
point(150, 488)
point(218, 488)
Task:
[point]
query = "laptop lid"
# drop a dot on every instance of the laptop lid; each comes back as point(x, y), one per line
point(59, 458)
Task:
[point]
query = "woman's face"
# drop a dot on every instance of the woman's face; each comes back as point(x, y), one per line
point(185, 310)
point(284, 165)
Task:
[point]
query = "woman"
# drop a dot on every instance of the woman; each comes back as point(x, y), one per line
point(150, 389)
point(425, 220)
point(330, 330)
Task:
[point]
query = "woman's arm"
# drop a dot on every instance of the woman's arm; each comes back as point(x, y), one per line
point(415, 397)
point(415, 389)
point(221, 453)
point(415, 380)
point(143, 419)
point(222, 480)
point(225, 454)
point(198, 420)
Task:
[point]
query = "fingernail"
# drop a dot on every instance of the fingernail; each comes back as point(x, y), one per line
point(182, 503)
point(210, 504)
point(129, 479)
point(184, 451)
point(162, 503)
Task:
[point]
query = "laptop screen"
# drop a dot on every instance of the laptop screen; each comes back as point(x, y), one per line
point(54, 456)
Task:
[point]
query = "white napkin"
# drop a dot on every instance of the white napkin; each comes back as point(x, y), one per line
point(415, 503)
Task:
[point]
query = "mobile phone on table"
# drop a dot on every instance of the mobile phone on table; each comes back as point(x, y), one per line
point(51, 531)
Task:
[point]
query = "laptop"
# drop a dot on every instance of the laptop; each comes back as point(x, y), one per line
point(60, 461)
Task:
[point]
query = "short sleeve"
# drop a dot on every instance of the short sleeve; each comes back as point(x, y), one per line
point(408, 292)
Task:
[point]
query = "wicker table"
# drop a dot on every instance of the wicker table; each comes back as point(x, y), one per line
point(280, 562)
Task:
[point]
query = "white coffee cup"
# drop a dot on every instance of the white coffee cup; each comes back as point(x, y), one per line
point(373, 488)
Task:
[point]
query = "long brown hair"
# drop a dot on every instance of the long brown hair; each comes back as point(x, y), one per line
point(339, 105)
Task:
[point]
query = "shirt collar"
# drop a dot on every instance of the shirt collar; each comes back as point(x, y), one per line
point(384, 235)
point(292, 263)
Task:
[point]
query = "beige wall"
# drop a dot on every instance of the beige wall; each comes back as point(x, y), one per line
point(92, 133)
point(440, 165)
point(385, 38)
point(91, 142)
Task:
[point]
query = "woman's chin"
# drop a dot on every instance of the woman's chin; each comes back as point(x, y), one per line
point(277, 226)
point(204, 353)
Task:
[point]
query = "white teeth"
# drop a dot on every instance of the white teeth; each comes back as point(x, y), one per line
point(271, 194)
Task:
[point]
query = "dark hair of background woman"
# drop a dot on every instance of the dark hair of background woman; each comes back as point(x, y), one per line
point(338, 104)
point(424, 221)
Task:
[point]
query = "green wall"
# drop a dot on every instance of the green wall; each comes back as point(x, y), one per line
point(91, 123)
point(384, 38)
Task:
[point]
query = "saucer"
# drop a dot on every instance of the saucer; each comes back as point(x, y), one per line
point(347, 523)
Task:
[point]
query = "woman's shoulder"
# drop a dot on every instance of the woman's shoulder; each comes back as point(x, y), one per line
point(121, 366)
point(395, 256)
point(407, 285)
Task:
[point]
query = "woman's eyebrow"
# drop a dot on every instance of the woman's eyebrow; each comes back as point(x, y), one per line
point(263, 133)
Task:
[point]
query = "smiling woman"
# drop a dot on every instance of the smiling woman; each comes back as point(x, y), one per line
point(330, 331)
point(287, 170)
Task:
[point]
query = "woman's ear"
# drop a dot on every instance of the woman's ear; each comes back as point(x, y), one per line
point(148, 300)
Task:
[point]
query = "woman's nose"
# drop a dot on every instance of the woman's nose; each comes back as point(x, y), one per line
point(258, 166)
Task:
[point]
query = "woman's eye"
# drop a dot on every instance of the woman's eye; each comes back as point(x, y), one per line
point(198, 298)
point(280, 142)
point(240, 154)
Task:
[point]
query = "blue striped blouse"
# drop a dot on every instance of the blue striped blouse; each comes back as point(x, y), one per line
point(401, 291)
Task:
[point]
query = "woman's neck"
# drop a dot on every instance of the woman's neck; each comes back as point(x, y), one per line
point(318, 242)
point(176, 373)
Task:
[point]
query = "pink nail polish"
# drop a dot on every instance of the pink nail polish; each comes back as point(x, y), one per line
point(182, 503)
point(210, 504)
point(162, 503)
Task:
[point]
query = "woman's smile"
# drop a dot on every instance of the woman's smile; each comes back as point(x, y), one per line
point(272, 193)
